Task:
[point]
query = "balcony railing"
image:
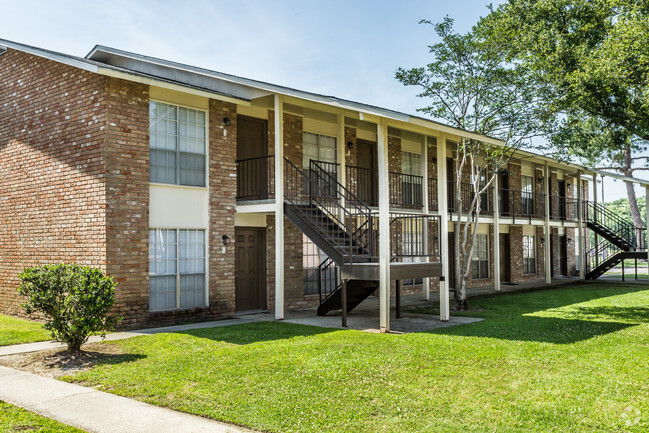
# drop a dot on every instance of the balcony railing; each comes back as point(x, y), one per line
point(363, 183)
point(256, 178)
point(527, 204)
point(406, 190)
point(563, 208)
point(467, 194)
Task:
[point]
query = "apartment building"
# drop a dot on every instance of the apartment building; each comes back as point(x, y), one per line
point(207, 195)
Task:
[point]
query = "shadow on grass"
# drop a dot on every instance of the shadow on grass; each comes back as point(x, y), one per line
point(256, 332)
point(537, 329)
point(633, 315)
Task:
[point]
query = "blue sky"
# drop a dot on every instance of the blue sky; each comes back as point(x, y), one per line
point(349, 49)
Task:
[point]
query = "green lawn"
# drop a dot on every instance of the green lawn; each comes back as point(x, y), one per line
point(570, 359)
point(16, 331)
point(15, 419)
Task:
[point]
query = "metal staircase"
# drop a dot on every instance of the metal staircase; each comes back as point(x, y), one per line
point(344, 228)
point(622, 240)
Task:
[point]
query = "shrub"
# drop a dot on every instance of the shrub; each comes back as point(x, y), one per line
point(74, 299)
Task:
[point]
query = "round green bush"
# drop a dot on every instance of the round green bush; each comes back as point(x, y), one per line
point(74, 299)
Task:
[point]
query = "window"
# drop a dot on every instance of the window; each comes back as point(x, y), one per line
point(320, 148)
point(527, 194)
point(480, 259)
point(411, 188)
point(177, 141)
point(176, 269)
point(529, 254)
point(311, 259)
point(412, 242)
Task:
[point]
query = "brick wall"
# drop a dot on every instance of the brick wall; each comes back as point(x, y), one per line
point(127, 196)
point(52, 175)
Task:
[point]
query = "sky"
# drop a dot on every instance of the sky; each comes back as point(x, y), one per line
point(349, 49)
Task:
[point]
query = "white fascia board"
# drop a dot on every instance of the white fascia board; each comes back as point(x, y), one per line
point(51, 56)
point(171, 86)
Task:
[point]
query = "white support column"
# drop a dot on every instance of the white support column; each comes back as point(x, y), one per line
point(279, 208)
point(340, 156)
point(646, 196)
point(384, 227)
point(580, 227)
point(442, 203)
point(496, 207)
point(425, 208)
point(546, 226)
point(595, 216)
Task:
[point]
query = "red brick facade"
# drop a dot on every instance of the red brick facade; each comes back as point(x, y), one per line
point(74, 187)
point(52, 168)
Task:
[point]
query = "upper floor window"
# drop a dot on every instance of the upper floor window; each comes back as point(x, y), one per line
point(178, 144)
point(411, 180)
point(527, 194)
point(318, 148)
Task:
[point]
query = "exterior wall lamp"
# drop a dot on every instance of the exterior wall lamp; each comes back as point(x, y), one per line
point(542, 240)
point(350, 145)
point(227, 121)
point(225, 239)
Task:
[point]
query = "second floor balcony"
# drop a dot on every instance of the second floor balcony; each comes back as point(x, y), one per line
point(256, 182)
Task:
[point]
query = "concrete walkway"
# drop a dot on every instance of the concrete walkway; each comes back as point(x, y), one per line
point(96, 411)
point(46, 345)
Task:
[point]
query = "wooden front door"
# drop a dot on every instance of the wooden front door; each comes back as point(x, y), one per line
point(505, 263)
point(450, 278)
point(367, 175)
point(250, 276)
point(253, 166)
point(563, 255)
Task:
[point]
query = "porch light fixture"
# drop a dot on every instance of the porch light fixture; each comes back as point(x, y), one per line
point(350, 145)
point(569, 240)
point(540, 179)
point(542, 239)
point(226, 239)
point(227, 121)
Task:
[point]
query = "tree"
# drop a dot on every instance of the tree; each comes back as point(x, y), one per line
point(592, 59)
point(74, 299)
point(468, 86)
point(606, 147)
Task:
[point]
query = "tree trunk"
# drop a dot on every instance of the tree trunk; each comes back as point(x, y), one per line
point(633, 204)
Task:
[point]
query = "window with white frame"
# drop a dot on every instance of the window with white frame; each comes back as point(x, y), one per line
point(412, 244)
point(312, 256)
point(318, 148)
point(527, 194)
point(176, 269)
point(480, 259)
point(177, 144)
point(411, 182)
point(529, 254)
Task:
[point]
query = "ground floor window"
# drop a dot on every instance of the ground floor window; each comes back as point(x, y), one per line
point(480, 259)
point(176, 269)
point(412, 243)
point(529, 254)
point(312, 256)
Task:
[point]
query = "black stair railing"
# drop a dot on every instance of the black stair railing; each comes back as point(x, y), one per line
point(599, 254)
point(354, 215)
point(616, 226)
point(328, 278)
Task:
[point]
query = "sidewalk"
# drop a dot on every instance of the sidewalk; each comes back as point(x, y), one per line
point(46, 345)
point(96, 411)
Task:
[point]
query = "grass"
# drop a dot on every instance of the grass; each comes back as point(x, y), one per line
point(13, 419)
point(569, 359)
point(16, 331)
